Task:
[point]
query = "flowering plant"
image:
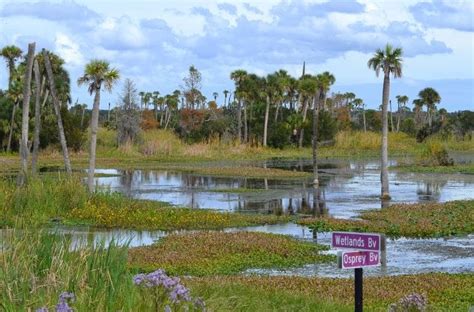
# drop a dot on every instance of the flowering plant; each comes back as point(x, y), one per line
point(411, 303)
point(167, 292)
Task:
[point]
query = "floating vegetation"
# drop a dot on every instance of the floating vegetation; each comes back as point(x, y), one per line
point(208, 253)
point(409, 220)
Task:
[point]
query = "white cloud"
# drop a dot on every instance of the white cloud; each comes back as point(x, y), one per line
point(68, 50)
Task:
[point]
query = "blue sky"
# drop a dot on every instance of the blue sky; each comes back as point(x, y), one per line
point(154, 42)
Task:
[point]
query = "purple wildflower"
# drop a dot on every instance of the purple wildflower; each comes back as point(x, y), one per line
point(139, 279)
point(63, 305)
point(42, 309)
point(179, 293)
point(413, 302)
point(167, 308)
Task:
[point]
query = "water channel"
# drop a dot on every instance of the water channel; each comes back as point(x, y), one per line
point(347, 187)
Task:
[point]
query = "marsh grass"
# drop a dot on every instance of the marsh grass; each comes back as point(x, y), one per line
point(56, 198)
point(210, 253)
point(409, 220)
point(36, 266)
point(41, 199)
point(445, 292)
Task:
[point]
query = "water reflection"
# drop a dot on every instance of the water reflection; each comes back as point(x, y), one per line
point(345, 189)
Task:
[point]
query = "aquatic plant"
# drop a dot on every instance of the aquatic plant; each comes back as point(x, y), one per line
point(410, 220)
point(208, 253)
point(115, 210)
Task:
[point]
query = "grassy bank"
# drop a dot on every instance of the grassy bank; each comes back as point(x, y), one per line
point(41, 266)
point(160, 149)
point(455, 169)
point(66, 200)
point(210, 253)
point(410, 220)
point(444, 292)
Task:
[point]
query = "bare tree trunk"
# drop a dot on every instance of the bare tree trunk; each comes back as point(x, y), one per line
point(363, 117)
point(52, 89)
point(168, 119)
point(82, 117)
point(12, 122)
point(239, 120)
point(277, 111)
point(265, 126)
point(36, 137)
point(385, 194)
point(246, 133)
point(93, 146)
point(26, 114)
point(399, 117)
point(314, 140)
point(391, 116)
point(305, 111)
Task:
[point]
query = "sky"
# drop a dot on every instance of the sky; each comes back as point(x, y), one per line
point(153, 42)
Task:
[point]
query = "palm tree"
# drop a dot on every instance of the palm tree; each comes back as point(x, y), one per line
point(226, 93)
point(402, 100)
point(307, 86)
point(97, 73)
point(324, 83)
point(238, 76)
point(430, 98)
point(418, 106)
point(359, 104)
point(11, 54)
point(15, 94)
point(142, 98)
point(389, 60)
point(283, 86)
point(272, 91)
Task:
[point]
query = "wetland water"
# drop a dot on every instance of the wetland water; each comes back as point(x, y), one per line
point(346, 189)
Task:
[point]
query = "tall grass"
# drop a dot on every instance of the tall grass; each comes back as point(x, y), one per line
point(36, 266)
point(40, 199)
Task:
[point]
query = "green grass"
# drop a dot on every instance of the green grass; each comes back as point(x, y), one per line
point(36, 266)
point(42, 265)
point(461, 168)
point(210, 253)
point(160, 149)
point(444, 292)
point(66, 199)
point(409, 220)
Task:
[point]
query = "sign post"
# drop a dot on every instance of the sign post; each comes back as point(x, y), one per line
point(359, 250)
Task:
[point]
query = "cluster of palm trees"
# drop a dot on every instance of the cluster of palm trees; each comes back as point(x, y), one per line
point(278, 90)
point(163, 106)
point(51, 86)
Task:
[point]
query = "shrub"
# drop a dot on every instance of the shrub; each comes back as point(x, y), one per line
point(435, 154)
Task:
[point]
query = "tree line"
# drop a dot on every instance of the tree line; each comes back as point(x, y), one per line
point(275, 110)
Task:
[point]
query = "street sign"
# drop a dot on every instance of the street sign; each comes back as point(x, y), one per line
point(359, 250)
point(358, 259)
point(357, 241)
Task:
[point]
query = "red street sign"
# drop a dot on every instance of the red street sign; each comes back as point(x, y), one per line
point(358, 259)
point(359, 241)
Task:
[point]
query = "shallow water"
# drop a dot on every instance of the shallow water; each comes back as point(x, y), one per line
point(404, 256)
point(346, 188)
